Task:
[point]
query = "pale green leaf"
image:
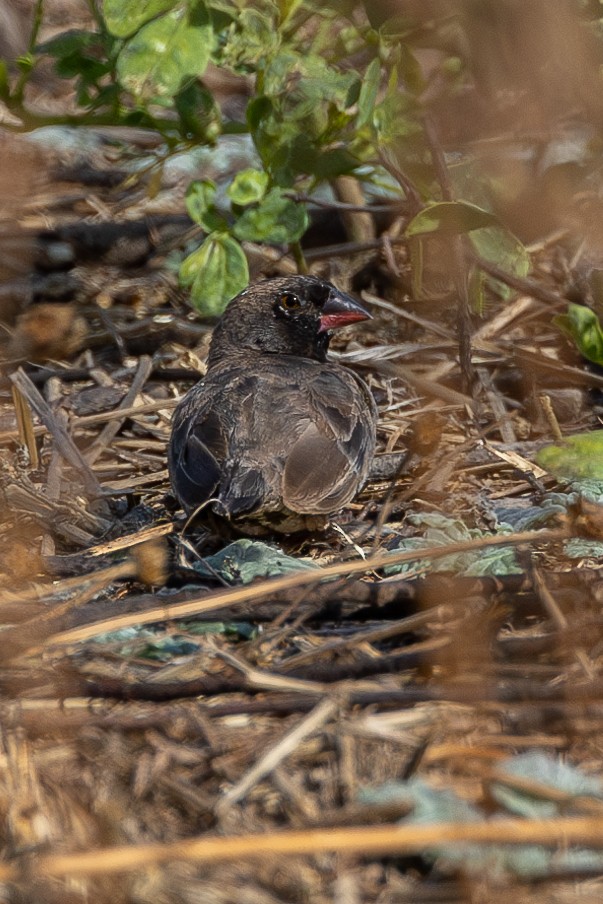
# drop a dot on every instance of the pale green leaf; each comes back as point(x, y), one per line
point(248, 187)
point(499, 246)
point(580, 455)
point(451, 217)
point(156, 62)
point(124, 17)
point(215, 273)
point(368, 94)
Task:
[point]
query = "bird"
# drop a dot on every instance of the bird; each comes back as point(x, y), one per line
point(275, 437)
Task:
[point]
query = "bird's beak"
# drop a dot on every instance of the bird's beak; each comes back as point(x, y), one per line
point(339, 310)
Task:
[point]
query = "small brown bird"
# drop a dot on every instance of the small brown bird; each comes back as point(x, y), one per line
point(275, 437)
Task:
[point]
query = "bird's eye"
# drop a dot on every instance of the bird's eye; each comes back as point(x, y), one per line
point(290, 302)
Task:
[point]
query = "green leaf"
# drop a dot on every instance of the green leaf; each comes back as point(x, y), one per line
point(69, 42)
point(451, 217)
point(440, 530)
point(368, 94)
point(276, 219)
point(395, 118)
point(582, 325)
point(165, 649)
point(215, 273)
point(251, 38)
point(199, 114)
point(160, 58)
point(490, 239)
point(248, 187)
point(201, 208)
point(124, 17)
point(499, 246)
point(579, 456)
point(244, 561)
point(545, 769)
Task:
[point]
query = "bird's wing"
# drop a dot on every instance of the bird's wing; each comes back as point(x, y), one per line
point(328, 461)
point(214, 450)
point(197, 447)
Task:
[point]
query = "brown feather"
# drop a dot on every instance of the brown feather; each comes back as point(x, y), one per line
point(273, 432)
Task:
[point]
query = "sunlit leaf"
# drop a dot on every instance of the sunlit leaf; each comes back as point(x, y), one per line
point(157, 61)
point(124, 17)
point(580, 455)
point(251, 38)
point(215, 273)
point(248, 187)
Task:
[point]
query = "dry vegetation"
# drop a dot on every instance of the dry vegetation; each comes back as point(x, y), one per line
point(214, 745)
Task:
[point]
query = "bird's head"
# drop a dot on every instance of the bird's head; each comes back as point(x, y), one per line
point(290, 315)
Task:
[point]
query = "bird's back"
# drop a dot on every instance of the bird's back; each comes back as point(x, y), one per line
point(278, 434)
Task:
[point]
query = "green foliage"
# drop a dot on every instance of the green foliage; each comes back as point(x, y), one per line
point(582, 325)
point(89, 58)
point(276, 218)
point(198, 112)
point(244, 561)
point(4, 81)
point(336, 89)
point(248, 187)
point(201, 207)
point(157, 59)
point(490, 239)
point(123, 18)
point(258, 214)
point(440, 530)
point(579, 456)
point(215, 273)
point(511, 796)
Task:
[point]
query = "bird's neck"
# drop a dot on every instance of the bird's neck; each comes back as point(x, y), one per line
point(252, 347)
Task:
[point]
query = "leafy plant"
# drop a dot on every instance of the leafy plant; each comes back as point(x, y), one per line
point(336, 90)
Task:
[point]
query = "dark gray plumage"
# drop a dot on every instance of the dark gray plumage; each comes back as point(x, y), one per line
point(275, 436)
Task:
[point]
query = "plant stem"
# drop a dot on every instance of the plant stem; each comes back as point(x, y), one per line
point(31, 46)
point(298, 255)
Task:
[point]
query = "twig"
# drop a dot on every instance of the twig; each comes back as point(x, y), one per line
point(25, 427)
point(558, 618)
point(55, 468)
point(266, 764)
point(503, 419)
point(547, 408)
point(365, 840)
point(65, 444)
point(526, 286)
point(371, 635)
point(145, 366)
